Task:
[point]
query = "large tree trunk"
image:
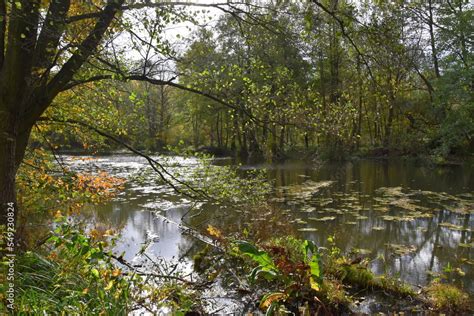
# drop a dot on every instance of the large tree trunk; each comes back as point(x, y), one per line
point(12, 150)
point(7, 163)
point(25, 91)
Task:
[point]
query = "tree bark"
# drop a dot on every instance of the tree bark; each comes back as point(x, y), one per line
point(12, 150)
point(434, 52)
point(7, 162)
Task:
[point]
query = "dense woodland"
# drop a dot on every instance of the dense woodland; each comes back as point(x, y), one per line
point(258, 80)
point(372, 78)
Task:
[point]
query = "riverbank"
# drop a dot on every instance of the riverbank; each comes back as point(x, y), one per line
point(403, 219)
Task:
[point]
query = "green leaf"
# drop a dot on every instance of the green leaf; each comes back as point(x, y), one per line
point(266, 266)
point(314, 262)
point(95, 272)
point(261, 257)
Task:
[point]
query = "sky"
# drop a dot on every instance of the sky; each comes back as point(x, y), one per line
point(178, 34)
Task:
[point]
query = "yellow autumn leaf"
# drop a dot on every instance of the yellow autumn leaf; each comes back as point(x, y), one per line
point(314, 285)
point(214, 232)
point(108, 232)
point(270, 298)
point(109, 286)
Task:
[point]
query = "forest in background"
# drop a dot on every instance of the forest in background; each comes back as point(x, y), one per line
point(372, 78)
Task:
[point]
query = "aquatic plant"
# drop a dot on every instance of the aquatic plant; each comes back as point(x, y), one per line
point(295, 270)
point(447, 297)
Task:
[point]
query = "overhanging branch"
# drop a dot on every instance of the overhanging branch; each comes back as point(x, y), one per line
point(155, 165)
point(171, 83)
point(136, 6)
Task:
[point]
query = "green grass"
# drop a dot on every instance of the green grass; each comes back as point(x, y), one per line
point(45, 285)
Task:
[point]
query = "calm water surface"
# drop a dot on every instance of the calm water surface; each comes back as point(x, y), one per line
point(413, 221)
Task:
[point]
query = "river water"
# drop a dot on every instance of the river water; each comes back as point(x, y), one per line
point(412, 220)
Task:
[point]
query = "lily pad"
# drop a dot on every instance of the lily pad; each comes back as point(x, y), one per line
point(300, 221)
point(350, 199)
point(325, 202)
point(397, 218)
point(401, 249)
point(323, 219)
point(420, 215)
point(307, 229)
point(305, 190)
point(381, 208)
point(391, 191)
point(308, 209)
point(406, 204)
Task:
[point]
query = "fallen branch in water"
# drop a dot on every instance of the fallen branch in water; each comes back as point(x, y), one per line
point(136, 271)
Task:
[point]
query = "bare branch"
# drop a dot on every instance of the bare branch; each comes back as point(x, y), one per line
point(171, 83)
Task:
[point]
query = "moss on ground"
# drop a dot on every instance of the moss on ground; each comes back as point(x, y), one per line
point(447, 298)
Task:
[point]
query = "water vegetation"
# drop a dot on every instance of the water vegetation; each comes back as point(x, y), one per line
point(293, 275)
point(447, 298)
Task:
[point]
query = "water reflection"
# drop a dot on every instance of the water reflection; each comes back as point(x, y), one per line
point(412, 220)
point(361, 218)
